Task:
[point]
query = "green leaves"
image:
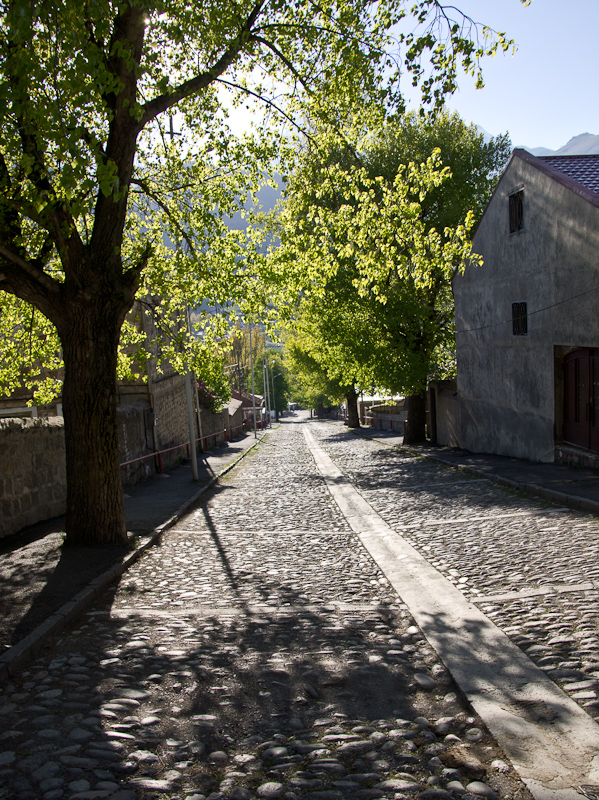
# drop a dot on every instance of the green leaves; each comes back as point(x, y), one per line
point(378, 230)
point(90, 169)
point(30, 351)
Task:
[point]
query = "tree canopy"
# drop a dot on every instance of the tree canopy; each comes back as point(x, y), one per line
point(100, 204)
point(382, 230)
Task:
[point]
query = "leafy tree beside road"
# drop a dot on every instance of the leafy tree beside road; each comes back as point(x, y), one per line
point(381, 231)
point(92, 184)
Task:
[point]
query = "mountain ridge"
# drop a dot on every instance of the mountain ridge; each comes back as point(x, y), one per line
point(582, 144)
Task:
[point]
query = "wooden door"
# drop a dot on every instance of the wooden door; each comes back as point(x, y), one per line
point(581, 398)
point(594, 405)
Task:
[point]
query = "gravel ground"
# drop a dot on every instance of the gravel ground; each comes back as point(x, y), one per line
point(259, 652)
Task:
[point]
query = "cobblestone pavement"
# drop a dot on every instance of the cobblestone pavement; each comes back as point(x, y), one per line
point(531, 567)
point(259, 652)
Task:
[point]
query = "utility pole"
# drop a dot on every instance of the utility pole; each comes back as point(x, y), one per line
point(265, 381)
point(272, 386)
point(252, 374)
point(190, 412)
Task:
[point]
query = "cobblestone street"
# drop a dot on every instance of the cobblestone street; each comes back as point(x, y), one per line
point(495, 545)
point(259, 651)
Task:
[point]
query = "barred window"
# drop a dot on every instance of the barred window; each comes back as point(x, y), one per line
point(516, 205)
point(519, 319)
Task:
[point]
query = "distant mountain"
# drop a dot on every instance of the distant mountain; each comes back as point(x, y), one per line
point(583, 144)
point(540, 151)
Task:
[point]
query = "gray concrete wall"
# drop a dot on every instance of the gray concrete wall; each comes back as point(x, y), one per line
point(33, 479)
point(506, 383)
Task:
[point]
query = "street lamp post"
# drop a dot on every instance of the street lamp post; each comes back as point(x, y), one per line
point(189, 402)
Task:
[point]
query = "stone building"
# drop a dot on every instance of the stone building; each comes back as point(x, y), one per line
point(527, 321)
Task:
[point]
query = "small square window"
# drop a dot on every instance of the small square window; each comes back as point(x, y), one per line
point(516, 203)
point(519, 319)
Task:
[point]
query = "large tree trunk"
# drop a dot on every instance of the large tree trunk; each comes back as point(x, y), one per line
point(95, 505)
point(353, 418)
point(416, 424)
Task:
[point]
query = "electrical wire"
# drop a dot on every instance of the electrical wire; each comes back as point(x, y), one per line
point(530, 313)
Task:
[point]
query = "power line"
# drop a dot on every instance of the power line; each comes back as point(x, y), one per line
point(530, 313)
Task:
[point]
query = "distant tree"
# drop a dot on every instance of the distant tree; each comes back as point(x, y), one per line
point(240, 355)
point(381, 230)
point(278, 380)
point(311, 385)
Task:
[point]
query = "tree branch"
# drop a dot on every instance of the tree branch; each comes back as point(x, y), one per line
point(39, 276)
point(267, 102)
point(143, 185)
point(132, 276)
point(284, 59)
point(194, 85)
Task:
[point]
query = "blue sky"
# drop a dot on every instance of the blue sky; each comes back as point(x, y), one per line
point(545, 93)
point(548, 91)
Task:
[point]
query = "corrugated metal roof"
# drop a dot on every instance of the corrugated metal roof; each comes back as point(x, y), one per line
point(583, 169)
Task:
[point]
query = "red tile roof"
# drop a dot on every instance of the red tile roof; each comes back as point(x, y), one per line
point(583, 169)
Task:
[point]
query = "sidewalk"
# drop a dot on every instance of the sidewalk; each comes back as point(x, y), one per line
point(576, 487)
point(151, 503)
point(44, 584)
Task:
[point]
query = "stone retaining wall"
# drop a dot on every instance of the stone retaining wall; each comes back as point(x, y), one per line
point(135, 441)
point(170, 407)
point(32, 456)
point(33, 482)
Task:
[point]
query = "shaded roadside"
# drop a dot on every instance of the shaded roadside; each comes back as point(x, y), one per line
point(38, 575)
point(576, 487)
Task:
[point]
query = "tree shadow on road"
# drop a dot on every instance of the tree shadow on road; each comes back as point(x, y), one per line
point(173, 686)
point(34, 588)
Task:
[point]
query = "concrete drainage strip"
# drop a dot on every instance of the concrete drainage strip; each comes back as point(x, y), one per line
point(552, 751)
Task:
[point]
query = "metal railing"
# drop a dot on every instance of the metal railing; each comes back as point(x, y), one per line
point(159, 453)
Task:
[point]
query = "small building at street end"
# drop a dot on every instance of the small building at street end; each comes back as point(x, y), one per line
point(527, 320)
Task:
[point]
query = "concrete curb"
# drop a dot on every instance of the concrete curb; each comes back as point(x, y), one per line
point(531, 489)
point(16, 657)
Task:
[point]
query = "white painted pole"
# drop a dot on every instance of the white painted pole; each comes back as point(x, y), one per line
point(198, 414)
point(191, 426)
point(190, 411)
point(252, 374)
